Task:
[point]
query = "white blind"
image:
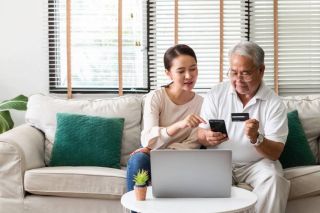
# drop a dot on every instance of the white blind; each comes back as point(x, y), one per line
point(94, 41)
point(161, 27)
point(299, 47)
point(235, 28)
point(94, 45)
point(262, 32)
point(198, 27)
point(298, 39)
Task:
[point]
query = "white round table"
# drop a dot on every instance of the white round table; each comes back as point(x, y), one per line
point(241, 200)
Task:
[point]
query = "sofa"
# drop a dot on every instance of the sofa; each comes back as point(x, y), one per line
point(27, 184)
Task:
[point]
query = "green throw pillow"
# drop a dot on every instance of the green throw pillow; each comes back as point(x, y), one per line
point(83, 140)
point(297, 151)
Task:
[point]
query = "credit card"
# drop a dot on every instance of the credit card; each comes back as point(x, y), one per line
point(239, 116)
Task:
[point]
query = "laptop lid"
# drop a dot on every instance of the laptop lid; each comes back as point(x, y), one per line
point(191, 173)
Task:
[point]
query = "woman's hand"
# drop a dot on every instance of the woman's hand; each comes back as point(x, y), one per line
point(191, 121)
point(145, 150)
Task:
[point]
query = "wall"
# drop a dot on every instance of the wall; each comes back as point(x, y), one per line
point(23, 51)
point(23, 57)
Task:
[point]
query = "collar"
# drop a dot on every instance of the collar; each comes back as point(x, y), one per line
point(261, 93)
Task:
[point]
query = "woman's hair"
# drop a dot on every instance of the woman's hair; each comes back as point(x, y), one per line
point(175, 51)
point(250, 50)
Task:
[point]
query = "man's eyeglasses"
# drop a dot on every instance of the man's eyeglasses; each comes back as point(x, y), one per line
point(246, 76)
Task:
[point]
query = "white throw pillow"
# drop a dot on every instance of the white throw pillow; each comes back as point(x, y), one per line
point(42, 110)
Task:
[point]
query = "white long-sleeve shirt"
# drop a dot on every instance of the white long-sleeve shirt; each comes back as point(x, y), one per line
point(159, 113)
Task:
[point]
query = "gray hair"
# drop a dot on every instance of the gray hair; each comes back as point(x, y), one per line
point(250, 50)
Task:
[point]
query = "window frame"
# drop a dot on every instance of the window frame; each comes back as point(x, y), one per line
point(53, 58)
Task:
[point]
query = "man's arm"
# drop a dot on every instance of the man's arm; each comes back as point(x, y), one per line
point(270, 149)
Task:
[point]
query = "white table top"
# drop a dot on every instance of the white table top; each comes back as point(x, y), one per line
point(240, 200)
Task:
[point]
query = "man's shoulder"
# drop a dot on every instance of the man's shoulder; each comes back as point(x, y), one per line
point(273, 101)
point(271, 96)
point(221, 88)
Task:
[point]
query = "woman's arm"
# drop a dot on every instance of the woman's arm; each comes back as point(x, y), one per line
point(190, 121)
point(152, 135)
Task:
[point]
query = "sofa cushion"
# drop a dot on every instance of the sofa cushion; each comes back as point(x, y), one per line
point(42, 110)
point(309, 113)
point(296, 151)
point(83, 140)
point(88, 182)
point(304, 181)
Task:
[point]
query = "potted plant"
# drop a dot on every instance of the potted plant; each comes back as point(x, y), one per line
point(140, 187)
point(17, 103)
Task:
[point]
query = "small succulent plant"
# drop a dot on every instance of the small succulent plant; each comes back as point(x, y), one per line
point(141, 178)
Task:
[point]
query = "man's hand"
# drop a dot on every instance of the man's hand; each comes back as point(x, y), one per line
point(191, 121)
point(251, 129)
point(210, 138)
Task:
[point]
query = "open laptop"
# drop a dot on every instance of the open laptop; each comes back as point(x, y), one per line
point(191, 173)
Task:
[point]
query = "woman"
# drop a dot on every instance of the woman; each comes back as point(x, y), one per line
point(170, 113)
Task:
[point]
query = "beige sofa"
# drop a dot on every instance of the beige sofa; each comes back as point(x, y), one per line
point(27, 185)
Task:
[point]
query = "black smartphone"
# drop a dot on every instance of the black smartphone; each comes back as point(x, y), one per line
point(218, 126)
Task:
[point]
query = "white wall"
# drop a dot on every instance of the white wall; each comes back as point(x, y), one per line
point(23, 50)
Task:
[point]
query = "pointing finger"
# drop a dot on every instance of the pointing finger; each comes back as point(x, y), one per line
point(200, 119)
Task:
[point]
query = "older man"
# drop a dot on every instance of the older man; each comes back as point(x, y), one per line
point(256, 143)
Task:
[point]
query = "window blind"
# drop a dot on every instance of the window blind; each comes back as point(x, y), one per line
point(235, 28)
point(299, 47)
point(161, 36)
point(290, 38)
point(198, 27)
point(94, 45)
point(262, 32)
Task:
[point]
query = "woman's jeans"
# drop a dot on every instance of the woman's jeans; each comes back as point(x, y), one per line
point(137, 162)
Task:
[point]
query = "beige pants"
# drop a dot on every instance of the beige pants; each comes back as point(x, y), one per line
point(266, 177)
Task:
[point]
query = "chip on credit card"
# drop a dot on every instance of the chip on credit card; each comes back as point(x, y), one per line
point(238, 117)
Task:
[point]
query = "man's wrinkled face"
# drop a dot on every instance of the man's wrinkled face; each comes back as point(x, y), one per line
point(244, 75)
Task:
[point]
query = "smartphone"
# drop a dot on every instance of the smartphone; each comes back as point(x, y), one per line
point(218, 126)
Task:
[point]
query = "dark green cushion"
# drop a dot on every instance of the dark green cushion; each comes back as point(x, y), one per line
point(83, 140)
point(297, 151)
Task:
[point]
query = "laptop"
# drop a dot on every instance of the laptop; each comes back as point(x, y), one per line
point(191, 173)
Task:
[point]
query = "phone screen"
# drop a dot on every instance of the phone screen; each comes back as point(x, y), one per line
point(218, 126)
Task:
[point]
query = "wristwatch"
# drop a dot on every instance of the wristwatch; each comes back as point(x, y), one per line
point(259, 140)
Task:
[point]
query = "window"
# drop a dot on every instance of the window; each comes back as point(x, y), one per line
point(94, 45)
point(299, 47)
point(198, 27)
point(298, 43)
point(288, 31)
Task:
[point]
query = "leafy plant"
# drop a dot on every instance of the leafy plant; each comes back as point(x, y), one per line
point(17, 103)
point(141, 178)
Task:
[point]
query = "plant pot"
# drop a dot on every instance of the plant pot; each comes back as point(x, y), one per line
point(141, 192)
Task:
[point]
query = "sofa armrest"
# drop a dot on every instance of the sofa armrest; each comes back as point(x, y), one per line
point(21, 149)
